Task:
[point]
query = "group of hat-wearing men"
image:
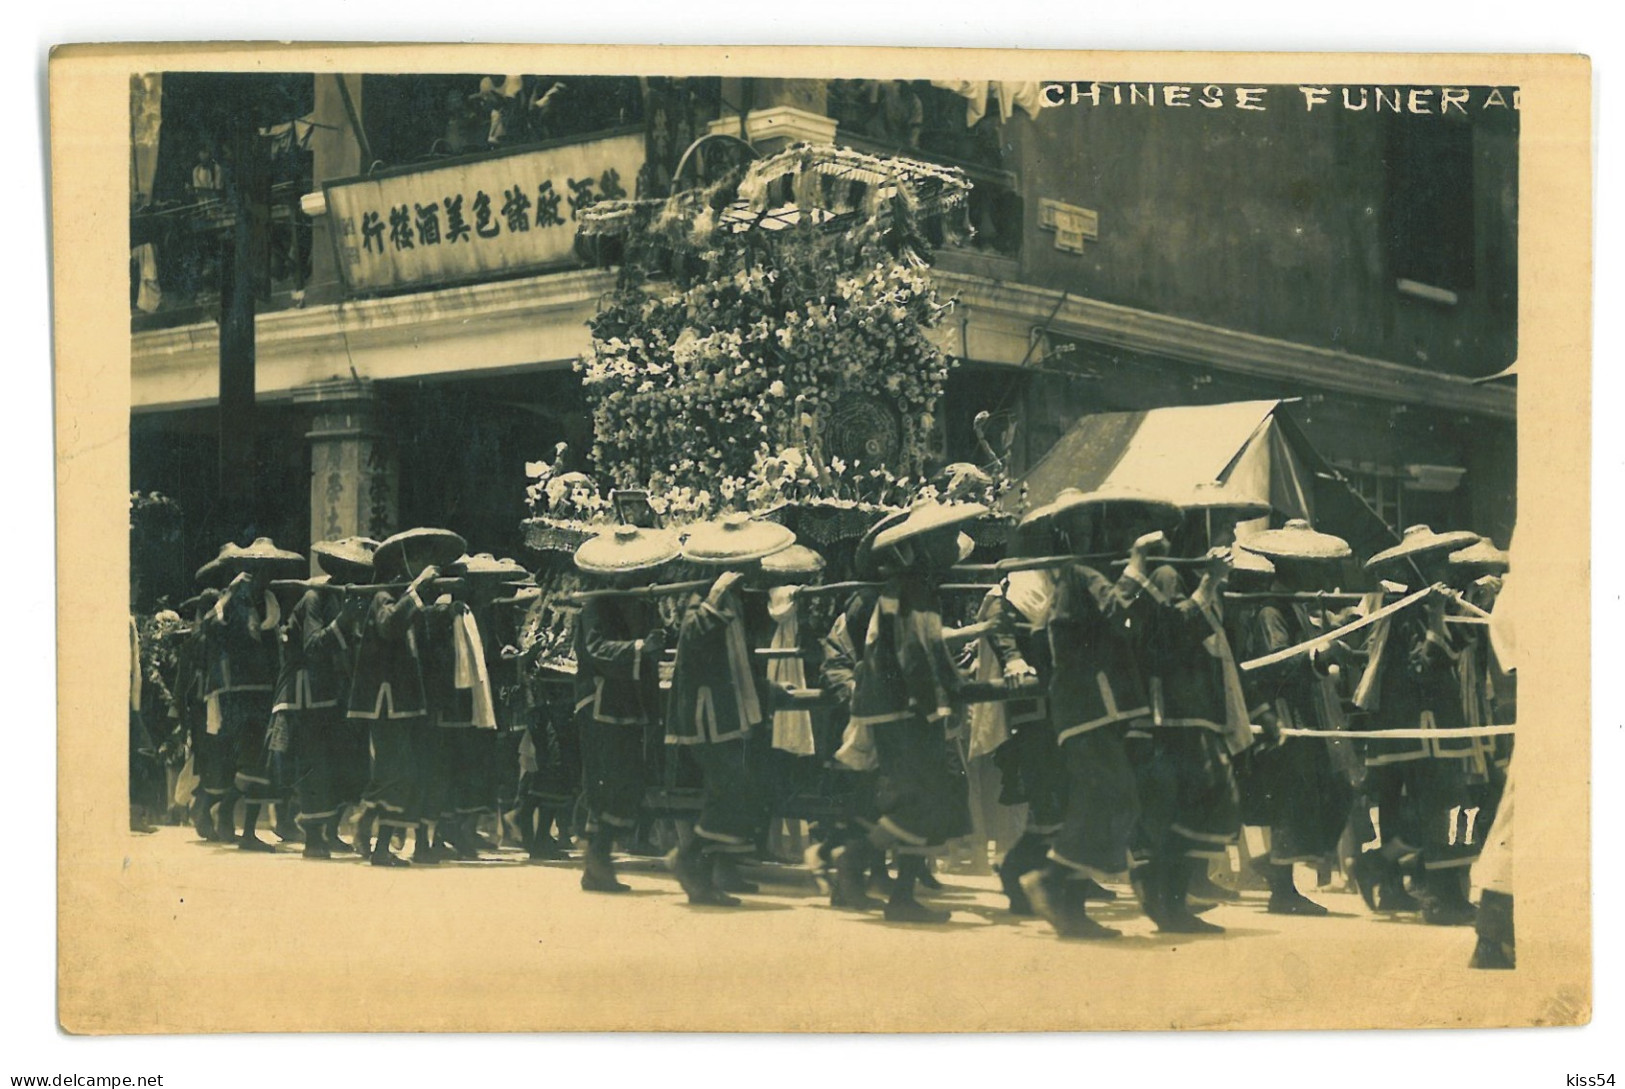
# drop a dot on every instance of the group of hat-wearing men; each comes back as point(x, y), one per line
point(342, 691)
point(1151, 705)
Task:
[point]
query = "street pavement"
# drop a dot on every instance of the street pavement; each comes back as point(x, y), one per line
point(504, 944)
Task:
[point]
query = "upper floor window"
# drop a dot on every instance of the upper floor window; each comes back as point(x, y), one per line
point(1430, 201)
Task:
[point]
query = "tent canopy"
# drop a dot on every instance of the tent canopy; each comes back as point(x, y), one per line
point(1248, 449)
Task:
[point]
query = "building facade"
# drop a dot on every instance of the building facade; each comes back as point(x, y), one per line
point(1132, 247)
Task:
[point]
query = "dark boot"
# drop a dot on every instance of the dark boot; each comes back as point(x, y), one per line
point(381, 854)
point(366, 825)
point(1203, 887)
point(1149, 889)
point(540, 844)
point(1174, 876)
point(316, 842)
point(1382, 884)
point(693, 871)
point(462, 837)
point(1446, 903)
point(1496, 948)
point(1285, 899)
point(202, 821)
point(725, 875)
point(598, 869)
point(880, 878)
point(902, 907)
point(335, 843)
point(1058, 899)
point(287, 826)
point(850, 886)
point(250, 840)
point(423, 850)
point(225, 817)
point(1027, 855)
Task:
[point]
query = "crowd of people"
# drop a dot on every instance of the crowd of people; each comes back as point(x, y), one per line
point(1156, 678)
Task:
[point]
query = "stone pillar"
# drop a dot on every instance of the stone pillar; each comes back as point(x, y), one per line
point(354, 472)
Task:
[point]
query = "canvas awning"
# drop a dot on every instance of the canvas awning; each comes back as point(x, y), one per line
point(1248, 449)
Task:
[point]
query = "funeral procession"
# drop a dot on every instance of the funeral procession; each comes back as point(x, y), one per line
point(942, 499)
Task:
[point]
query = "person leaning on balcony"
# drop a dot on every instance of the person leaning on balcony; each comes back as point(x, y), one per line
point(206, 181)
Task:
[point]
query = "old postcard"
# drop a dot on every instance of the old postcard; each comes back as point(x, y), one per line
point(821, 539)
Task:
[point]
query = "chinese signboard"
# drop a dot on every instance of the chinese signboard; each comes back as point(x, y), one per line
point(471, 220)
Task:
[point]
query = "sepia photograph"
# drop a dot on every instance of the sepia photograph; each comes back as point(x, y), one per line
point(714, 545)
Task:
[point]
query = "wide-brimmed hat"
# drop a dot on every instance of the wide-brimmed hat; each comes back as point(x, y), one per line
point(348, 559)
point(486, 568)
point(261, 557)
point(864, 562)
point(621, 550)
point(1482, 557)
point(927, 516)
point(1297, 540)
point(798, 559)
point(407, 553)
point(1422, 541)
point(735, 538)
point(522, 596)
point(1120, 500)
point(1216, 498)
point(1243, 562)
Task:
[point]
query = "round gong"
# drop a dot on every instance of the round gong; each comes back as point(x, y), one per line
point(864, 428)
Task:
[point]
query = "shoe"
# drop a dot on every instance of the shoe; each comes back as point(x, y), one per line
point(713, 898)
point(849, 889)
point(547, 850)
point(1048, 893)
point(1448, 913)
point(201, 824)
point(1392, 897)
point(928, 880)
point(316, 850)
point(1203, 887)
point(1294, 903)
point(911, 910)
point(288, 832)
point(596, 879)
point(1094, 890)
point(1365, 876)
point(1167, 884)
point(385, 858)
point(1183, 922)
point(725, 875)
point(254, 843)
point(1010, 882)
point(1082, 928)
point(683, 862)
point(339, 847)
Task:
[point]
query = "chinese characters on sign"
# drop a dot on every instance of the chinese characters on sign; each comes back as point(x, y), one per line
point(458, 222)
